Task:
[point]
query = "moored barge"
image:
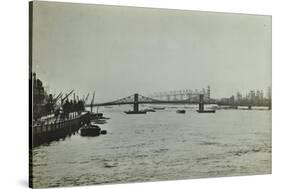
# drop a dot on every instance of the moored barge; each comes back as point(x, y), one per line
point(45, 132)
point(135, 112)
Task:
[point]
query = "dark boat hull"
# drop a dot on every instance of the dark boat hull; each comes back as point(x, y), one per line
point(90, 131)
point(132, 112)
point(206, 111)
point(99, 121)
point(180, 111)
point(160, 108)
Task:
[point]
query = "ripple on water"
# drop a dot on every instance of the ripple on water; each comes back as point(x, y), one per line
point(194, 146)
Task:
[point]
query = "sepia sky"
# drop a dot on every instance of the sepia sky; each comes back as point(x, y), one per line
point(118, 51)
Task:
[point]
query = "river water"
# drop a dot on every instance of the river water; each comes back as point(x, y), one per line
point(160, 145)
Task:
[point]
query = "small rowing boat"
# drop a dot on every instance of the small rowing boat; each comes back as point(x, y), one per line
point(180, 111)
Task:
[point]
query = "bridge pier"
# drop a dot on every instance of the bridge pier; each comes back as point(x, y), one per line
point(201, 103)
point(136, 102)
point(136, 106)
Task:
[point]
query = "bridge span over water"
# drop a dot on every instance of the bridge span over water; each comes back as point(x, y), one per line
point(140, 99)
point(137, 99)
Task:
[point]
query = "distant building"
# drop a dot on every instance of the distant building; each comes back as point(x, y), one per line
point(239, 97)
point(39, 93)
point(262, 95)
point(269, 93)
point(39, 96)
point(252, 96)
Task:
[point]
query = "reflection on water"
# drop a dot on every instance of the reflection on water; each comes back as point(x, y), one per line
point(159, 146)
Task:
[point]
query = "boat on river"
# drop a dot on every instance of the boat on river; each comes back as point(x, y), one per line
point(135, 112)
point(90, 130)
point(99, 121)
point(206, 111)
point(50, 128)
point(180, 111)
point(149, 110)
point(158, 108)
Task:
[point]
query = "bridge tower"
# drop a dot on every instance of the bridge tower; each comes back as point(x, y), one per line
point(201, 103)
point(208, 93)
point(136, 102)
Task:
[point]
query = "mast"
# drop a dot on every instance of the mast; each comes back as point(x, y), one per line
point(92, 102)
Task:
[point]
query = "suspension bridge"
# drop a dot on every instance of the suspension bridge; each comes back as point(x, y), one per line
point(137, 99)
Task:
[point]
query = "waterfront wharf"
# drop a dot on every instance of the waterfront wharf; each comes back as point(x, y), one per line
point(50, 129)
